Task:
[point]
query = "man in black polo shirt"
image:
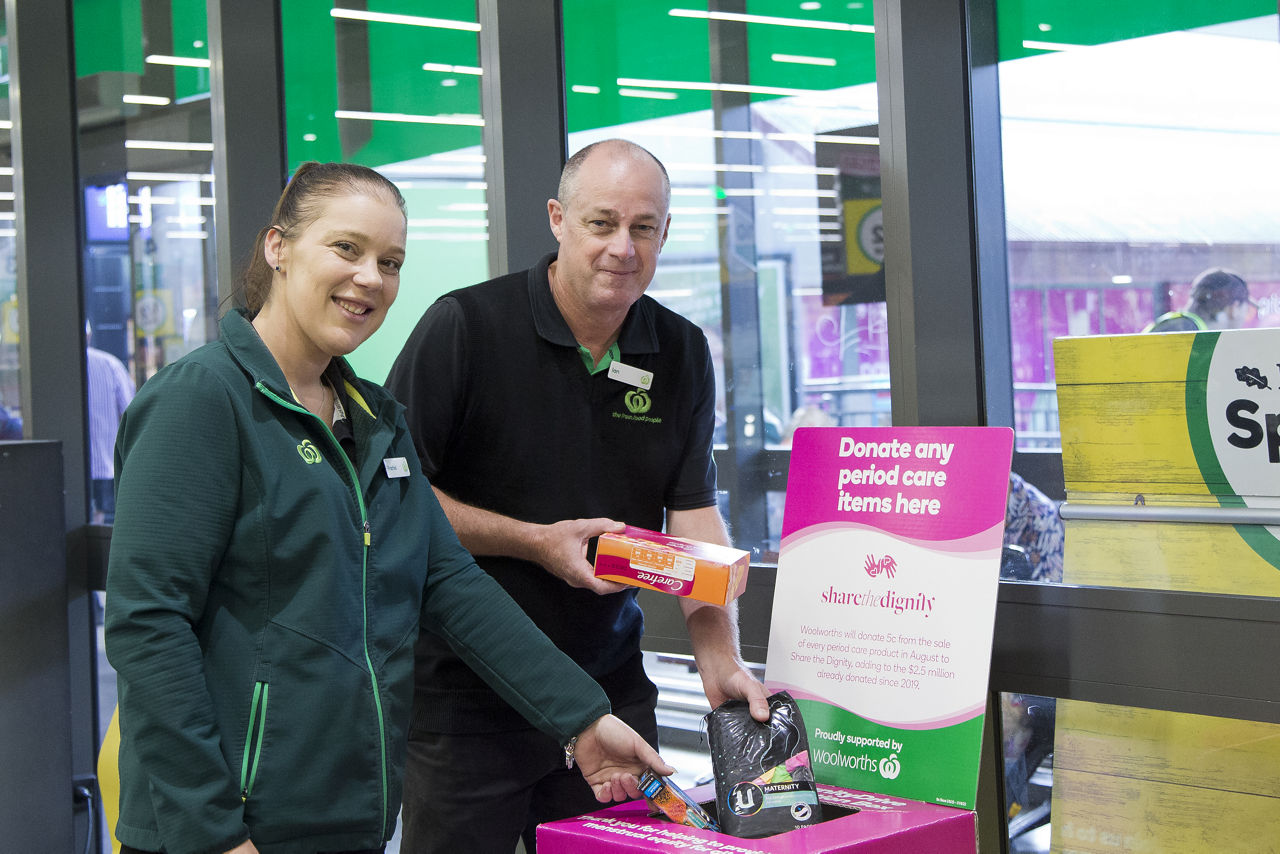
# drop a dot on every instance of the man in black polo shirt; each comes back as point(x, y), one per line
point(550, 406)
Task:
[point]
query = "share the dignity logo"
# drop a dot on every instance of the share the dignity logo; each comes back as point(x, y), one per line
point(876, 566)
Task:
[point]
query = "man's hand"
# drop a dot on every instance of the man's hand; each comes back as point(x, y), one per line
point(246, 847)
point(733, 681)
point(612, 756)
point(561, 549)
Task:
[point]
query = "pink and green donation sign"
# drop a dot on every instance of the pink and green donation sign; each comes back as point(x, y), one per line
point(885, 602)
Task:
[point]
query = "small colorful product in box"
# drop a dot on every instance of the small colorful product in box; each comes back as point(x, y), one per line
point(675, 565)
point(666, 797)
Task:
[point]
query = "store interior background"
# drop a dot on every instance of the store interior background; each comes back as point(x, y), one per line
point(880, 215)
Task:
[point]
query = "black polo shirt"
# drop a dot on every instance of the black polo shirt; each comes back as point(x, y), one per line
point(507, 417)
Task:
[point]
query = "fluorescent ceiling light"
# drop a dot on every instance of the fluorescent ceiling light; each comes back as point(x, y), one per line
point(769, 19)
point(6, 170)
point(719, 167)
point(8, 232)
point(6, 124)
point(151, 200)
point(441, 222)
point(6, 197)
point(466, 206)
point(648, 93)
point(836, 139)
point(164, 145)
point(1032, 44)
point(153, 100)
point(804, 170)
point(742, 193)
point(585, 90)
point(452, 237)
point(410, 20)
point(803, 60)
point(715, 211)
point(805, 212)
point(452, 69)
point(469, 120)
point(167, 176)
point(187, 61)
point(186, 235)
point(8, 215)
point(716, 87)
point(1122, 280)
point(805, 193)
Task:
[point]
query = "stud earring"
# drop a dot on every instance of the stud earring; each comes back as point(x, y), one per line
point(277, 268)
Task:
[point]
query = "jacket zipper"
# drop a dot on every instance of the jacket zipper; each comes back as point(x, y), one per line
point(364, 582)
point(253, 740)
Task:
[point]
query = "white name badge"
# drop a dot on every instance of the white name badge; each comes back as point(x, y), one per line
point(629, 375)
point(396, 466)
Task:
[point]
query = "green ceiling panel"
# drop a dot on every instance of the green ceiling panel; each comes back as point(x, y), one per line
point(310, 82)
point(638, 39)
point(108, 36)
point(191, 39)
point(400, 85)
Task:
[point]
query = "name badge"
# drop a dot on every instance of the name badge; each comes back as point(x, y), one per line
point(629, 375)
point(396, 466)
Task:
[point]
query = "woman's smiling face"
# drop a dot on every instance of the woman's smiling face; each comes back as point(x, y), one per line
point(336, 279)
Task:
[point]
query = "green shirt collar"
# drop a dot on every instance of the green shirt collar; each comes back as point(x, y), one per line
point(605, 361)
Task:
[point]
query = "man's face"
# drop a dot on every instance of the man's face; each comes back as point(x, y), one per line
point(610, 232)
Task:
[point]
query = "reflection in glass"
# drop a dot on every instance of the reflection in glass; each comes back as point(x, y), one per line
point(399, 93)
point(146, 159)
point(767, 123)
point(1139, 151)
point(10, 369)
point(1087, 777)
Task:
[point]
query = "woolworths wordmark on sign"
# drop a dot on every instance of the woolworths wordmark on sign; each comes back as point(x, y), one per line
point(885, 602)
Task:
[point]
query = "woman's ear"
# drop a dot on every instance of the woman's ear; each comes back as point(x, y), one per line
point(273, 247)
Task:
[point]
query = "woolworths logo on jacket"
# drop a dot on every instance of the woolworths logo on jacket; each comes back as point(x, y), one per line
point(638, 403)
point(310, 453)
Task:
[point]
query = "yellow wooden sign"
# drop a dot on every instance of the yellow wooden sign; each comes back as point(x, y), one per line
point(1176, 420)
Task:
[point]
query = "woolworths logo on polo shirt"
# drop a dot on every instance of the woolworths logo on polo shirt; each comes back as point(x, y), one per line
point(638, 404)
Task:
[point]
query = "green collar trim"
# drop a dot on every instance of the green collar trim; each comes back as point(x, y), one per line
point(605, 361)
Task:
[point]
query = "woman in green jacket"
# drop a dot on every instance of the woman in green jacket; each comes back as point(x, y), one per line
point(276, 548)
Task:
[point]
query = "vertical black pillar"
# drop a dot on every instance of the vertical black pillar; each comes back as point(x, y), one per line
point(522, 100)
point(742, 472)
point(36, 770)
point(248, 128)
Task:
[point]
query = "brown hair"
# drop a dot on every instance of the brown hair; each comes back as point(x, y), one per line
point(300, 205)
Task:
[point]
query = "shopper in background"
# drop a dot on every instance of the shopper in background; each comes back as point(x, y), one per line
point(110, 388)
point(276, 547)
point(1219, 300)
point(534, 448)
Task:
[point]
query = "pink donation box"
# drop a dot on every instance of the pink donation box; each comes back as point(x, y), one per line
point(860, 822)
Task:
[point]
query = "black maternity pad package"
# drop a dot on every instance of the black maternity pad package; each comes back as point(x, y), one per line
point(764, 782)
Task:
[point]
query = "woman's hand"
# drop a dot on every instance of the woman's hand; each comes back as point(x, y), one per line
point(611, 756)
point(246, 847)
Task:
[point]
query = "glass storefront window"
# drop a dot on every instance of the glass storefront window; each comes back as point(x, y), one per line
point(1138, 154)
point(146, 159)
point(397, 89)
point(1096, 779)
point(10, 377)
point(767, 122)
point(1138, 145)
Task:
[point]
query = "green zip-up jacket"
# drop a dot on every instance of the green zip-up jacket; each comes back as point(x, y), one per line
point(263, 598)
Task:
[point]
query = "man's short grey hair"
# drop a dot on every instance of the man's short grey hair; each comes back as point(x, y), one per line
point(569, 176)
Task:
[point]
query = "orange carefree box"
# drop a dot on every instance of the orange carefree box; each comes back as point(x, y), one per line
point(675, 565)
